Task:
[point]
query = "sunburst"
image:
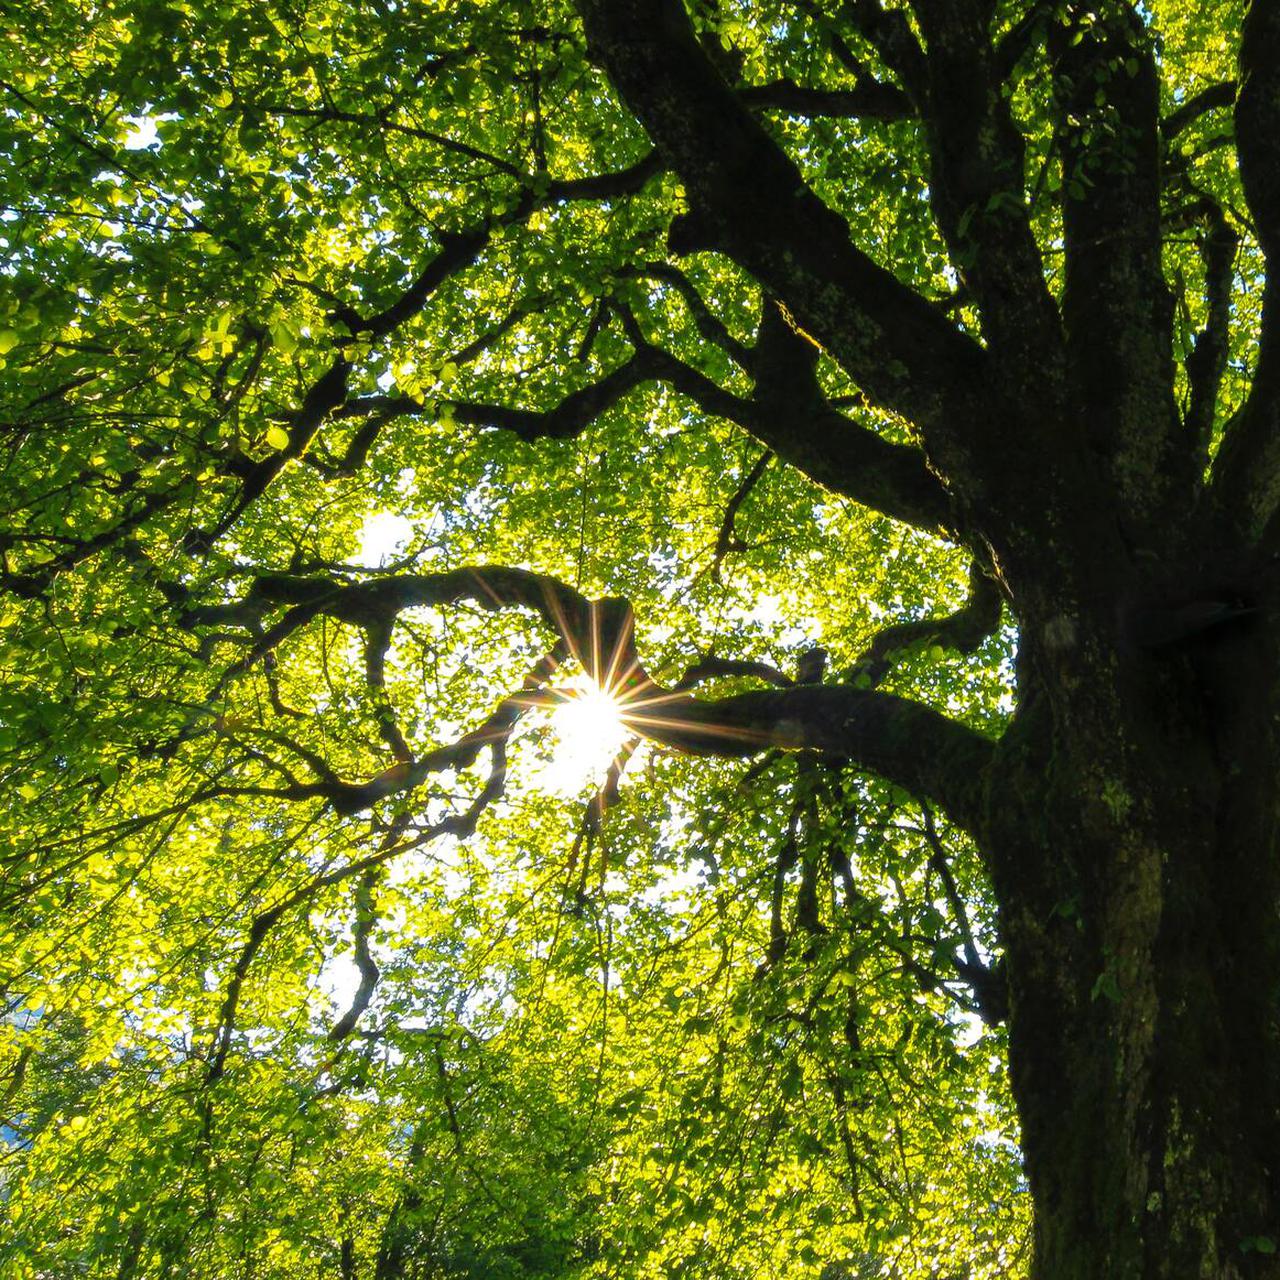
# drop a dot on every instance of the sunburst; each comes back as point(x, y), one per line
point(589, 733)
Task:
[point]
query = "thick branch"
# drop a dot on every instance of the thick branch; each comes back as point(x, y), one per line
point(1247, 473)
point(907, 743)
point(1208, 359)
point(747, 199)
point(790, 415)
point(890, 33)
point(902, 741)
point(1116, 306)
point(866, 100)
point(577, 411)
point(1215, 97)
point(976, 184)
point(803, 430)
point(1258, 121)
point(964, 630)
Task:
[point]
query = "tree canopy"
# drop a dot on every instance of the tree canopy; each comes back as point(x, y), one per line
point(378, 380)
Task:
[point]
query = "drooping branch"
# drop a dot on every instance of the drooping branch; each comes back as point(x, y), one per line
point(377, 641)
point(728, 539)
point(987, 980)
point(365, 919)
point(459, 825)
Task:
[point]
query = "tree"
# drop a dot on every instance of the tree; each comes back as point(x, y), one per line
point(681, 338)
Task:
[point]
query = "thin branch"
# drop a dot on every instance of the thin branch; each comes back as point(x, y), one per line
point(867, 100)
point(710, 327)
point(380, 122)
point(1214, 98)
point(713, 668)
point(986, 980)
point(324, 395)
point(366, 918)
point(727, 539)
point(964, 630)
point(460, 825)
point(578, 410)
point(941, 865)
point(456, 252)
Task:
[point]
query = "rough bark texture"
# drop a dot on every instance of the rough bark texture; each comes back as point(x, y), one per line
point(1133, 850)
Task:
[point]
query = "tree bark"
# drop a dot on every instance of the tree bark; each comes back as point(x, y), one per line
point(1132, 839)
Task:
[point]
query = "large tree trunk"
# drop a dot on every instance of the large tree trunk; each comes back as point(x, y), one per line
point(1133, 840)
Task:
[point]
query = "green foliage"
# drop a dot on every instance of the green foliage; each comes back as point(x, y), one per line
point(725, 1034)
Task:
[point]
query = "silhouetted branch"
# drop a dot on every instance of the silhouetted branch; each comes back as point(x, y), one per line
point(727, 540)
point(964, 630)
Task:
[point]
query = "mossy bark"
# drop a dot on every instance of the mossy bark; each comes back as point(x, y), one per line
point(1133, 840)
